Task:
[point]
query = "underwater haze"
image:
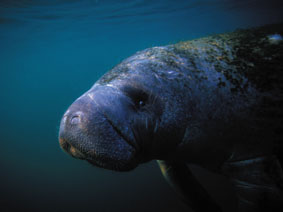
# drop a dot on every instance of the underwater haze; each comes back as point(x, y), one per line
point(53, 51)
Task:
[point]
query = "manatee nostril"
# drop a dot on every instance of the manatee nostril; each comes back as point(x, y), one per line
point(75, 120)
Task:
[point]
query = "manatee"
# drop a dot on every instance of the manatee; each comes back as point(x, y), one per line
point(215, 102)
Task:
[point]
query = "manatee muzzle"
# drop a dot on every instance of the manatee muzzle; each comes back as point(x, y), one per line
point(96, 128)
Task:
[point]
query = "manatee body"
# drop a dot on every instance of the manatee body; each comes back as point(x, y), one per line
point(215, 102)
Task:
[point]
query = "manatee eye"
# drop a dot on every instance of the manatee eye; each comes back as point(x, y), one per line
point(140, 99)
point(138, 96)
point(141, 103)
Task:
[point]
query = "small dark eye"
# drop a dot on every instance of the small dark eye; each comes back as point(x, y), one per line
point(141, 103)
point(140, 100)
point(138, 96)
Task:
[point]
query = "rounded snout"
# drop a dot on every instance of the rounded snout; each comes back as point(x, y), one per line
point(70, 121)
point(96, 128)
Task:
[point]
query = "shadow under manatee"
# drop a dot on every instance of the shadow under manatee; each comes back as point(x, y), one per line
point(218, 187)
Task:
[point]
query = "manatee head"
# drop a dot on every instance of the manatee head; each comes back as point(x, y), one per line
point(123, 120)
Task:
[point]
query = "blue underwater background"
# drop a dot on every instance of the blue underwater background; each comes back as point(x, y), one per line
point(53, 51)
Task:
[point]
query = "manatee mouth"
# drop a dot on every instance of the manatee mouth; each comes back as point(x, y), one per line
point(116, 164)
point(130, 139)
point(70, 149)
point(106, 145)
point(97, 158)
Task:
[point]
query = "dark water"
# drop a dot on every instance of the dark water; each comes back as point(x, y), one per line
point(53, 51)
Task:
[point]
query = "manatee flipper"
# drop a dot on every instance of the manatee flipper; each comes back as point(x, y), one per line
point(258, 183)
point(180, 177)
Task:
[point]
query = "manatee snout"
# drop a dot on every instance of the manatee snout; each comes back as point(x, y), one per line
point(96, 128)
point(74, 128)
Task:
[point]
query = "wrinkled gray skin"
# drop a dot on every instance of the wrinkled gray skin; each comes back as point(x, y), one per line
point(215, 102)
